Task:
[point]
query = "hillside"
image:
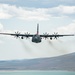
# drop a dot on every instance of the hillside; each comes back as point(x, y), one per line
point(64, 62)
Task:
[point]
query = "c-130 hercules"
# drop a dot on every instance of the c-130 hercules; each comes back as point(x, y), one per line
point(36, 38)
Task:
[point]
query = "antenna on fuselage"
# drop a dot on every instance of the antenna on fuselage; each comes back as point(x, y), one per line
point(37, 29)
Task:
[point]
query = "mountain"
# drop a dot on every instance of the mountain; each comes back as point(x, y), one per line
point(64, 62)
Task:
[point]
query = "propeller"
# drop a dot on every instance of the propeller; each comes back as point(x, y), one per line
point(17, 34)
point(45, 34)
point(27, 33)
point(55, 33)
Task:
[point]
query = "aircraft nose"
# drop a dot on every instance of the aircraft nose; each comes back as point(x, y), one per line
point(36, 37)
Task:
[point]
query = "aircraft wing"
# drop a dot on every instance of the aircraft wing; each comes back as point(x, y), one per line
point(31, 35)
point(56, 35)
point(17, 34)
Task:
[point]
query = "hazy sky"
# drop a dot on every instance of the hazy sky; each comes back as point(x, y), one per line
point(23, 15)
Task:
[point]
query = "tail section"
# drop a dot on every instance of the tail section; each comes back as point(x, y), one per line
point(37, 29)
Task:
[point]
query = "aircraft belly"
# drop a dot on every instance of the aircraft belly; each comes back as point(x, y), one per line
point(36, 40)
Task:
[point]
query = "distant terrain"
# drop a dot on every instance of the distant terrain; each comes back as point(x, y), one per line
point(64, 62)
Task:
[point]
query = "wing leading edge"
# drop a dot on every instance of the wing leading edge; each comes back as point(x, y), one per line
point(17, 34)
point(31, 35)
point(58, 35)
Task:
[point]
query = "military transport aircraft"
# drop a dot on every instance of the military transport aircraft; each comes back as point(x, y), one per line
point(36, 38)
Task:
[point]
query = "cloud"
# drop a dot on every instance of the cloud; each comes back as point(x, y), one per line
point(4, 11)
point(7, 0)
point(67, 9)
point(33, 14)
point(1, 27)
point(39, 4)
point(61, 11)
point(9, 11)
point(5, 15)
point(66, 29)
point(57, 2)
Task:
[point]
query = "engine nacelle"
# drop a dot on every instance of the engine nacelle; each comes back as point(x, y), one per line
point(50, 38)
point(22, 37)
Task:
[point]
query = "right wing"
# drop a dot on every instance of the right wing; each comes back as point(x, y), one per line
point(17, 34)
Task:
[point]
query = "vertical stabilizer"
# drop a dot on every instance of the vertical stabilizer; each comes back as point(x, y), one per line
point(37, 29)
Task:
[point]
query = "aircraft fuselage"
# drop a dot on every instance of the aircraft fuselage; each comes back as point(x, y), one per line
point(36, 38)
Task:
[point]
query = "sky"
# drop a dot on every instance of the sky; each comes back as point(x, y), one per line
point(23, 16)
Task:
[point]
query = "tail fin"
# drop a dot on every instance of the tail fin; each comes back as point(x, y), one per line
point(37, 29)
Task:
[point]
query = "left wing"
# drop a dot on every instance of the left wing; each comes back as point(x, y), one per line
point(55, 35)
